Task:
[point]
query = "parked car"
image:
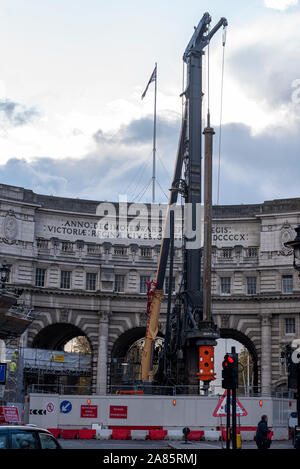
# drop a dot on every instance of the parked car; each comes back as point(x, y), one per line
point(26, 437)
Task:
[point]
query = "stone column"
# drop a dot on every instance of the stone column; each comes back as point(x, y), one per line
point(266, 353)
point(102, 353)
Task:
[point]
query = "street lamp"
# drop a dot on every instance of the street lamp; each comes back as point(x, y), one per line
point(295, 245)
point(4, 274)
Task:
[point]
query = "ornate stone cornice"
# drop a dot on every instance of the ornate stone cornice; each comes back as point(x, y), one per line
point(97, 294)
point(256, 298)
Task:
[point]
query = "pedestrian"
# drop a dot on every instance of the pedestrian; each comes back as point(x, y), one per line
point(262, 432)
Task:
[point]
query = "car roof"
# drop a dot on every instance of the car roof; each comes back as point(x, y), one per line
point(23, 427)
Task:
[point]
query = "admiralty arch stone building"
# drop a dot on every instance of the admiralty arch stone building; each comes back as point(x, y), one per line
point(80, 283)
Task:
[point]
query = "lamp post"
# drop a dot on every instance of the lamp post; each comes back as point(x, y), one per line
point(4, 274)
point(295, 245)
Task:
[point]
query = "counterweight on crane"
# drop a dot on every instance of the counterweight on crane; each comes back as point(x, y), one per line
point(188, 353)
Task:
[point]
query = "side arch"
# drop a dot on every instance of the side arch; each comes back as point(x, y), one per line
point(227, 333)
point(55, 336)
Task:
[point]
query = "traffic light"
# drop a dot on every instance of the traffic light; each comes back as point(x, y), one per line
point(230, 371)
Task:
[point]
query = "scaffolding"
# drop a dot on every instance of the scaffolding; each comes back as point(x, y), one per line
point(55, 362)
point(45, 371)
point(14, 318)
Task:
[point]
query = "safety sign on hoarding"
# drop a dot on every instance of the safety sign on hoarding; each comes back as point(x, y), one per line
point(11, 414)
point(37, 412)
point(221, 409)
point(89, 411)
point(118, 412)
point(65, 407)
point(50, 407)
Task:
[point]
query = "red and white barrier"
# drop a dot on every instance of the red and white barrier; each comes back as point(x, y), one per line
point(141, 434)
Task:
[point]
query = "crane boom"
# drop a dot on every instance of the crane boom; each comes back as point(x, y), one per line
point(192, 328)
point(152, 325)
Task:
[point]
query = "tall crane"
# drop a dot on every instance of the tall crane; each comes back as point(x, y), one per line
point(188, 353)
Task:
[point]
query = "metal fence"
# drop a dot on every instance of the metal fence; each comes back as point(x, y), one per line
point(189, 390)
point(154, 390)
point(62, 389)
point(138, 390)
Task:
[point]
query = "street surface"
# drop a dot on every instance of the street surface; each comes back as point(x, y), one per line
point(160, 445)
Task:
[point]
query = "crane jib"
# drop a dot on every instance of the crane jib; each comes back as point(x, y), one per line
point(196, 329)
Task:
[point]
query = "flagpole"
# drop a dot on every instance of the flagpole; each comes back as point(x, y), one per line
point(154, 141)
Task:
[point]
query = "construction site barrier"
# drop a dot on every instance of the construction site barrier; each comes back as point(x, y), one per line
point(118, 434)
point(174, 435)
point(103, 433)
point(126, 433)
point(212, 435)
point(55, 432)
point(86, 434)
point(196, 435)
point(139, 434)
point(157, 434)
point(69, 434)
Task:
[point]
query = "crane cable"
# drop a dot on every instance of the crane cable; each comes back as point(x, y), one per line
point(221, 111)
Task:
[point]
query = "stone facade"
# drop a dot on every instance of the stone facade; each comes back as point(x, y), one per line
point(82, 283)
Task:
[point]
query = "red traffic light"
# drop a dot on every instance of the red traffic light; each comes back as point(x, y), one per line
point(228, 360)
point(230, 371)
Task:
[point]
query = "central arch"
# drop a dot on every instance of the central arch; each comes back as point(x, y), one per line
point(124, 366)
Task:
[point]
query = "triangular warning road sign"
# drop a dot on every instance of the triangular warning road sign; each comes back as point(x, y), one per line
point(220, 410)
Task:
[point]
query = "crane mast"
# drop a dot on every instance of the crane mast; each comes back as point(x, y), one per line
point(191, 334)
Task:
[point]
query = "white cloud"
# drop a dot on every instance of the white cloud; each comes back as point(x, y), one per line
point(280, 4)
point(261, 73)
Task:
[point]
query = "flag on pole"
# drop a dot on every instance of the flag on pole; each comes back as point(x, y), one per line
point(152, 78)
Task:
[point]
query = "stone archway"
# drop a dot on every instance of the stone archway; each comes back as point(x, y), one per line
point(75, 372)
point(55, 336)
point(123, 367)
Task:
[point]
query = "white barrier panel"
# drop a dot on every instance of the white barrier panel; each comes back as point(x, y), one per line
point(139, 434)
point(103, 433)
point(174, 435)
point(212, 435)
point(195, 412)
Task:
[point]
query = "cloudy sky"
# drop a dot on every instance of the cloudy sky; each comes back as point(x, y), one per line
point(72, 122)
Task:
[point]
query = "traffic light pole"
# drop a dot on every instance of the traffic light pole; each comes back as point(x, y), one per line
point(298, 393)
point(233, 418)
point(297, 429)
point(234, 409)
point(228, 419)
point(230, 383)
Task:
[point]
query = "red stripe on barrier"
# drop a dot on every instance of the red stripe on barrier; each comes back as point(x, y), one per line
point(118, 434)
point(133, 427)
point(55, 432)
point(243, 429)
point(86, 434)
point(157, 434)
point(196, 435)
point(69, 434)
